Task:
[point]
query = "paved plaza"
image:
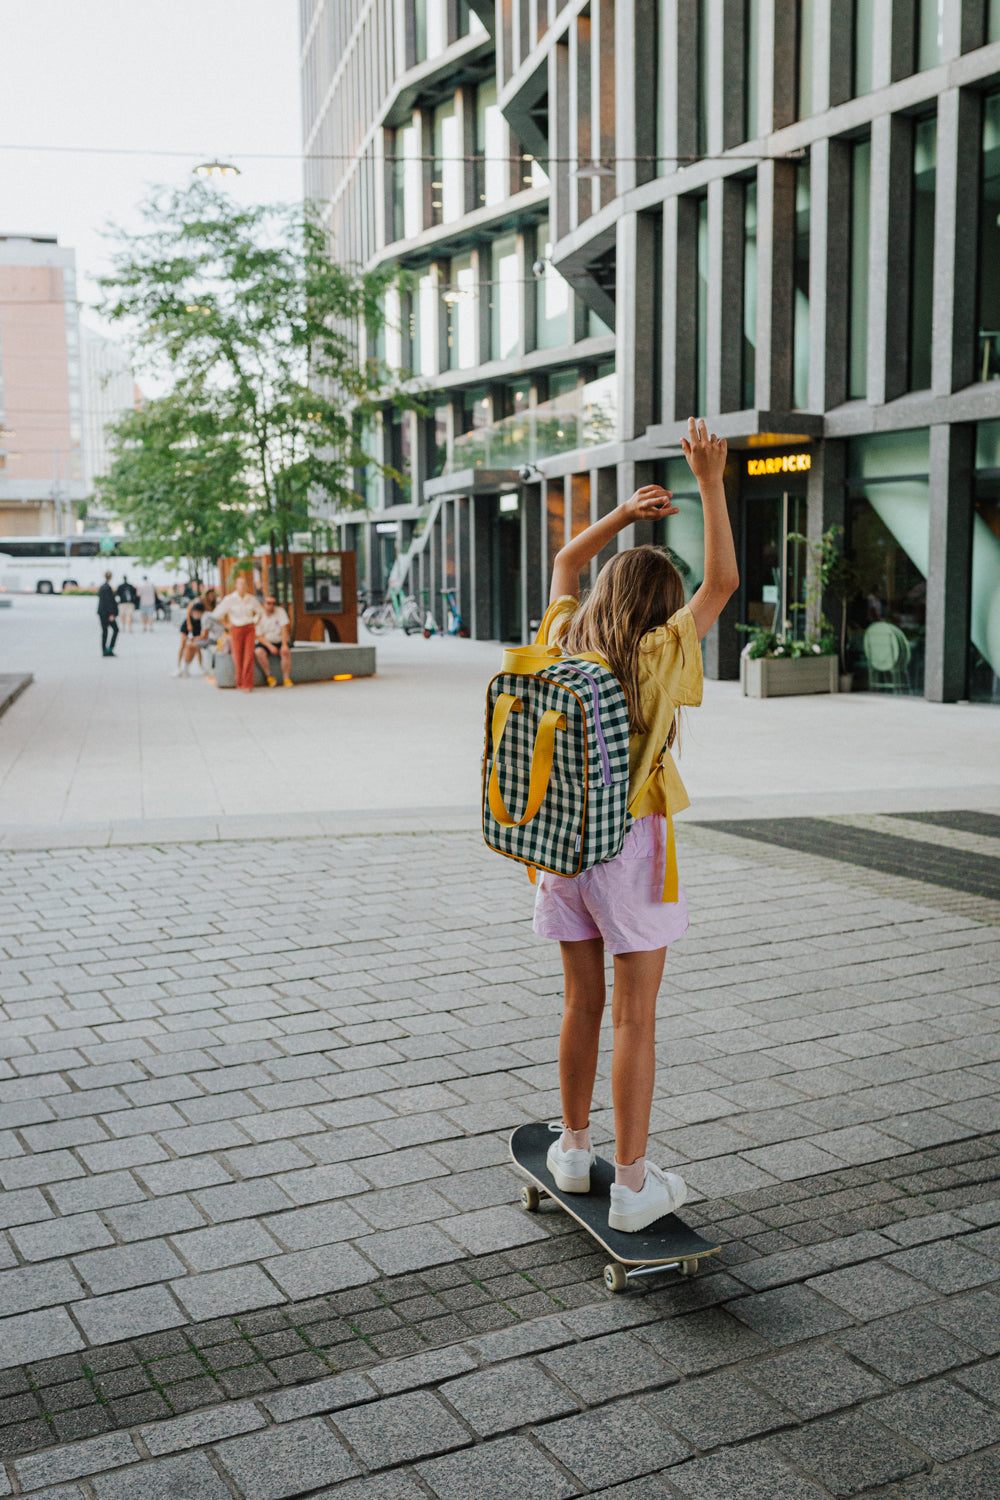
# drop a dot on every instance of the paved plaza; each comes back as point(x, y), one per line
point(259, 1237)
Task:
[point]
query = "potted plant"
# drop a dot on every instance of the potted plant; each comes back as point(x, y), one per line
point(778, 663)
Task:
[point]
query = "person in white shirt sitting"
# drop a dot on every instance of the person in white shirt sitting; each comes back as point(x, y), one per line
point(273, 630)
point(241, 610)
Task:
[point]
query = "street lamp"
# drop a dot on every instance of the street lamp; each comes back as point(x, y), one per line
point(216, 169)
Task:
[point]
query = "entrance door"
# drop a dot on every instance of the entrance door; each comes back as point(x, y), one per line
point(774, 564)
point(505, 581)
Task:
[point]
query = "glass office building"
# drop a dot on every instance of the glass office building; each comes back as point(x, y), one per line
point(783, 215)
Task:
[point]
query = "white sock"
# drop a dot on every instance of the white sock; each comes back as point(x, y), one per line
point(575, 1140)
point(633, 1176)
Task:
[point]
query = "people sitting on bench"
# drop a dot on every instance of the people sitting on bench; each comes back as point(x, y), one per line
point(272, 644)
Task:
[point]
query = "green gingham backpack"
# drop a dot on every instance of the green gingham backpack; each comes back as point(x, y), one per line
point(556, 768)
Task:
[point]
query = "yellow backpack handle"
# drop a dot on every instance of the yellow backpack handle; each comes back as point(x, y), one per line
point(541, 759)
point(531, 659)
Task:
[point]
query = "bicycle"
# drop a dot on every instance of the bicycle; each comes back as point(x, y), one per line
point(398, 612)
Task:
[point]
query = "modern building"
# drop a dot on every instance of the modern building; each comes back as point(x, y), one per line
point(41, 405)
point(781, 214)
point(109, 392)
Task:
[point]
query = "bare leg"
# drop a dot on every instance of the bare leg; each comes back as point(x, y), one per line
point(583, 966)
point(633, 1065)
point(263, 661)
point(286, 663)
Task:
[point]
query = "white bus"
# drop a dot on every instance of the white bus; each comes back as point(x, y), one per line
point(51, 564)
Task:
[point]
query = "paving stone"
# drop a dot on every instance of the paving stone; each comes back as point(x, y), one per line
point(940, 1419)
point(399, 1429)
point(286, 1460)
point(946, 1266)
point(703, 1341)
point(509, 1396)
point(127, 1266)
point(789, 1313)
point(217, 1293)
point(491, 1229)
point(751, 1472)
point(320, 1396)
point(607, 1367)
point(307, 1273)
point(973, 1318)
point(815, 1380)
point(871, 1291)
point(716, 1410)
point(49, 1332)
point(178, 1478)
point(849, 1452)
point(610, 1445)
point(983, 1379)
point(525, 1338)
point(505, 1470)
point(29, 1287)
point(64, 1236)
point(201, 1428)
point(973, 1479)
point(110, 1451)
point(123, 1315)
point(422, 1369)
point(399, 1250)
point(230, 1244)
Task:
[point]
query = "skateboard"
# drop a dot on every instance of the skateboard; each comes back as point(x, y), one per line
point(666, 1245)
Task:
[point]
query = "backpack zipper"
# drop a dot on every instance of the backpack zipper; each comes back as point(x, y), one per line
point(598, 730)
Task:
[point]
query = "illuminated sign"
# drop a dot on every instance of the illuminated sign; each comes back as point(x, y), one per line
point(788, 463)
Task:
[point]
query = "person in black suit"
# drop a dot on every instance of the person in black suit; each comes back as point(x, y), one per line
point(107, 613)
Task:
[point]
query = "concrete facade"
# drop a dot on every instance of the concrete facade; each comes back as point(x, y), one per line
point(109, 392)
point(775, 214)
point(41, 405)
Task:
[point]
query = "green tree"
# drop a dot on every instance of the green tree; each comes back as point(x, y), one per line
point(252, 327)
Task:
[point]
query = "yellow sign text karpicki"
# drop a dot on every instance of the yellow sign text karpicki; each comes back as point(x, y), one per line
point(788, 463)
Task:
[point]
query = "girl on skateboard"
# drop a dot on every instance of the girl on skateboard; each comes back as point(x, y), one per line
point(631, 906)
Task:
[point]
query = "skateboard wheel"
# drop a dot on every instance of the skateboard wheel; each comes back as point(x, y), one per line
point(530, 1198)
point(615, 1277)
point(688, 1267)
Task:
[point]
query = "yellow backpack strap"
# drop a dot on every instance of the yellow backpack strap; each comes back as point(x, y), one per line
point(541, 760)
point(671, 880)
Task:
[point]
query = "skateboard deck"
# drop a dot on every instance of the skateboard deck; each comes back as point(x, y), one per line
point(667, 1243)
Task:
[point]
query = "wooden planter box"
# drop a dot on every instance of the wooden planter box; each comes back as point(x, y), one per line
point(778, 677)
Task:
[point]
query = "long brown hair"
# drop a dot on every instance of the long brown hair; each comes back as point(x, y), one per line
point(635, 592)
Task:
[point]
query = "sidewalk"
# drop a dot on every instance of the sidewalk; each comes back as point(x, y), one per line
point(258, 1233)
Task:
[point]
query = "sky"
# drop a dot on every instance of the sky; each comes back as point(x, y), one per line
point(204, 78)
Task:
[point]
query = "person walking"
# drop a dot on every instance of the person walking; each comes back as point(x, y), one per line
point(107, 613)
point(126, 596)
point(636, 619)
point(147, 603)
point(241, 611)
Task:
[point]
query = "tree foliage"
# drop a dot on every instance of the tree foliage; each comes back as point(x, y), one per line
point(252, 327)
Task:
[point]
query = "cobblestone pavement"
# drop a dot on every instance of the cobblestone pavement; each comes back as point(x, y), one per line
point(258, 1234)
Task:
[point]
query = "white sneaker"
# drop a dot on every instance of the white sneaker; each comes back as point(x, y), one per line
point(570, 1169)
point(662, 1193)
point(177, 672)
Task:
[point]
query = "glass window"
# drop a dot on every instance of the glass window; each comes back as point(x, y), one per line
point(505, 298)
point(431, 27)
point(437, 441)
point(552, 291)
point(321, 585)
point(555, 517)
point(922, 254)
point(864, 45)
point(751, 43)
point(461, 301)
point(993, 21)
point(989, 245)
point(446, 185)
point(804, 43)
point(930, 21)
point(861, 173)
point(684, 534)
point(579, 503)
point(393, 329)
point(596, 326)
point(889, 541)
point(749, 296)
point(561, 382)
point(701, 310)
point(491, 168)
point(407, 185)
point(800, 322)
point(984, 624)
point(425, 325)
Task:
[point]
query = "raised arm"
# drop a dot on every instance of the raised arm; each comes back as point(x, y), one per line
point(706, 455)
point(651, 503)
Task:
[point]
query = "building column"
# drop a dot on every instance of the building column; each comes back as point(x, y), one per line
point(679, 331)
point(722, 645)
point(775, 284)
point(481, 594)
point(463, 556)
point(634, 133)
point(559, 140)
point(956, 241)
point(889, 258)
point(604, 497)
point(949, 571)
point(829, 265)
point(636, 342)
point(632, 476)
point(724, 372)
point(826, 506)
point(534, 583)
point(895, 35)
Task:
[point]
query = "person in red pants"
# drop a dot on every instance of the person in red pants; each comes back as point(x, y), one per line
point(240, 611)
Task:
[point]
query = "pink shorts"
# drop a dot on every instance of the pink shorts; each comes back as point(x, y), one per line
point(620, 901)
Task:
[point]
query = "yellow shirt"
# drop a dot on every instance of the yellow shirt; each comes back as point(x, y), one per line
point(670, 677)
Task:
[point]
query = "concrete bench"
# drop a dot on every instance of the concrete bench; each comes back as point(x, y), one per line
point(310, 663)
